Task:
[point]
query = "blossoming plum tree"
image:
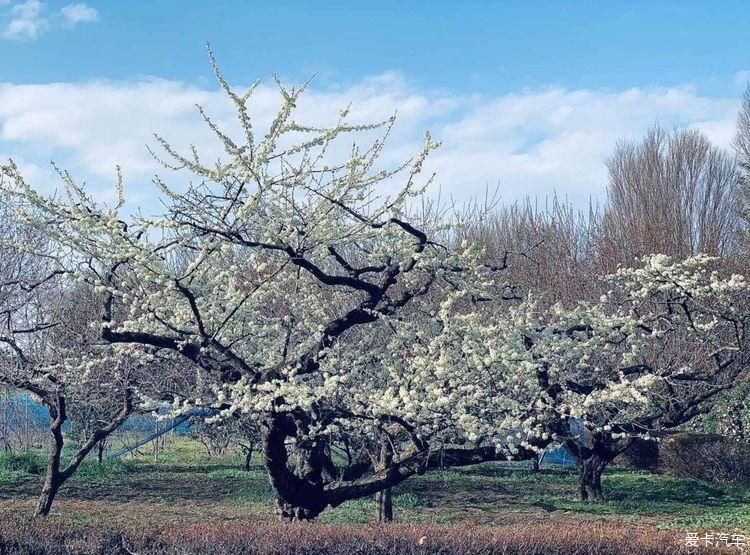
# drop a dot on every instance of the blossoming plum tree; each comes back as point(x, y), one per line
point(657, 350)
point(274, 260)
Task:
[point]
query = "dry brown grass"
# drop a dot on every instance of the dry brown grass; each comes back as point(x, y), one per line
point(62, 535)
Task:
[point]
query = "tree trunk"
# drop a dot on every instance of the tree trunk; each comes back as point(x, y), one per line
point(306, 491)
point(248, 457)
point(590, 478)
point(592, 453)
point(384, 500)
point(52, 484)
point(54, 478)
point(100, 452)
point(299, 493)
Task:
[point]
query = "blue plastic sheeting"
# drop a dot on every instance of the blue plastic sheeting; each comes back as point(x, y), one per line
point(558, 457)
point(179, 421)
point(21, 407)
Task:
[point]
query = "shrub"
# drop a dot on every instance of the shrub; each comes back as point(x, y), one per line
point(708, 457)
point(30, 462)
point(641, 455)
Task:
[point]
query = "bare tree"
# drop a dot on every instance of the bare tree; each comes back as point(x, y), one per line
point(240, 432)
point(742, 138)
point(21, 428)
point(672, 193)
point(552, 247)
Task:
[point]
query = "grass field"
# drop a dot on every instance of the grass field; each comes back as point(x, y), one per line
point(184, 487)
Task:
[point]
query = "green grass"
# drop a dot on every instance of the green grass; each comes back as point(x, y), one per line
point(184, 484)
point(25, 463)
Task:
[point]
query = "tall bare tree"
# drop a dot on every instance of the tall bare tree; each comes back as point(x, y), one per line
point(672, 193)
point(742, 138)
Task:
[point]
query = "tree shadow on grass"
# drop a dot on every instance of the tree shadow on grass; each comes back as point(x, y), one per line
point(650, 488)
point(132, 467)
point(652, 495)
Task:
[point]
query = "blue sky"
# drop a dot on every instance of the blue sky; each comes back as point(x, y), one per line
point(528, 95)
point(492, 47)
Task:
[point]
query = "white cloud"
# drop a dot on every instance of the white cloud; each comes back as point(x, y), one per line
point(26, 21)
point(79, 13)
point(532, 142)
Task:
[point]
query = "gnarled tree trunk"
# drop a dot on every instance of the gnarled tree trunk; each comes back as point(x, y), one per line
point(299, 493)
point(592, 454)
point(590, 478)
point(306, 491)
